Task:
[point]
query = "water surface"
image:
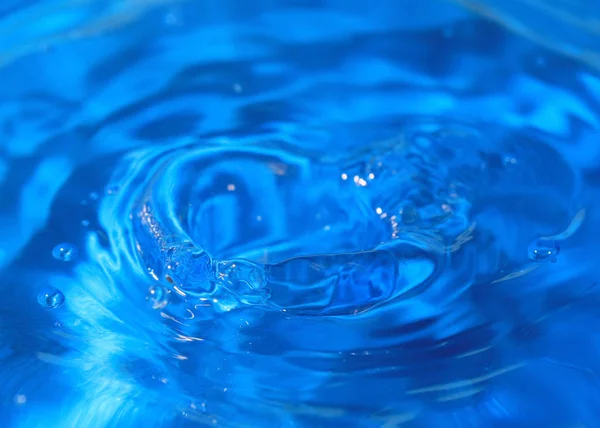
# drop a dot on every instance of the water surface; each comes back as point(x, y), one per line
point(298, 214)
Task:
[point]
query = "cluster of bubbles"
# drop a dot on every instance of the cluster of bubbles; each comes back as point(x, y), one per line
point(271, 255)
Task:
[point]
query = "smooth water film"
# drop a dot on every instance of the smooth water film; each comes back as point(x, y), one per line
point(299, 213)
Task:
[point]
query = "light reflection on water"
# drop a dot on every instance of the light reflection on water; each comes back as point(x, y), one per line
point(295, 214)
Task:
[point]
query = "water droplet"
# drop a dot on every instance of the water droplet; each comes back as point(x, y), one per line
point(157, 296)
point(51, 298)
point(244, 273)
point(65, 252)
point(187, 265)
point(543, 250)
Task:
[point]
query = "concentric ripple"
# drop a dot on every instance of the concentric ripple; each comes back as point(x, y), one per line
point(300, 232)
point(397, 252)
point(299, 214)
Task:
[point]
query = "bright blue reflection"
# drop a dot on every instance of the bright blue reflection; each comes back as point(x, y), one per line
point(306, 213)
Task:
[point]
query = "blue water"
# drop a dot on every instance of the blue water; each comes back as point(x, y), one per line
point(299, 213)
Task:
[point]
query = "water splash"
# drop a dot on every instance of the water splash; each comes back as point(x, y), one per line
point(389, 253)
point(345, 225)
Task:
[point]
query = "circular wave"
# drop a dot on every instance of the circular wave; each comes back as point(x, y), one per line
point(280, 243)
point(398, 253)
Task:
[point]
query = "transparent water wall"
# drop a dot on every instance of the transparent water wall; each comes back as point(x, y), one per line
point(299, 213)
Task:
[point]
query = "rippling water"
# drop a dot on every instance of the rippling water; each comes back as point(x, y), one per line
point(298, 214)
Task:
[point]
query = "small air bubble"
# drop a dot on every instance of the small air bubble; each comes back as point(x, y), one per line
point(157, 296)
point(65, 252)
point(543, 250)
point(51, 298)
point(85, 223)
point(94, 196)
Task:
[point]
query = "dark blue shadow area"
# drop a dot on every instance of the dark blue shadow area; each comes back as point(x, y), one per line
point(299, 213)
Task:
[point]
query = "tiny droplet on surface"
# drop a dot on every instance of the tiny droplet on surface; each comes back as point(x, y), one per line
point(65, 252)
point(543, 250)
point(51, 298)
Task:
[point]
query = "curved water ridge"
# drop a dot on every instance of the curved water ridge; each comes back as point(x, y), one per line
point(302, 231)
point(298, 232)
